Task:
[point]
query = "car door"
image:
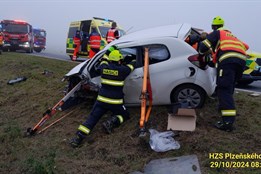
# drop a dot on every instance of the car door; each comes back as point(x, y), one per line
point(133, 84)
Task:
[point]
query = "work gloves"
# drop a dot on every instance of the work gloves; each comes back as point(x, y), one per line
point(206, 59)
point(203, 36)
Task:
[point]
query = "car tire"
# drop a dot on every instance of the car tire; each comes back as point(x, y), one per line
point(190, 95)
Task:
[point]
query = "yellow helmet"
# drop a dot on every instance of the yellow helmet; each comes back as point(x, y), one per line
point(115, 55)
point(218, 21)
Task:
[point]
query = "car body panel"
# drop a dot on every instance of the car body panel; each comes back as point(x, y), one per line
point(165, 75)
point(252, 71)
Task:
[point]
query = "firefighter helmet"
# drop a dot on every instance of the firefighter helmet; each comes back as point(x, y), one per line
point(218, 21)
point(115, 55)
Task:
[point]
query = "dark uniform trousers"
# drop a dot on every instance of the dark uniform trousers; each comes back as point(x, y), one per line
point(100, 108)
point(227, 76)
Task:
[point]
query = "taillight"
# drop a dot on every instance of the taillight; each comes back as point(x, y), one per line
point(197, 61)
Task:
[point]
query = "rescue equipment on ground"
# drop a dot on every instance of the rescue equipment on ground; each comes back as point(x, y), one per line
point(50, 112)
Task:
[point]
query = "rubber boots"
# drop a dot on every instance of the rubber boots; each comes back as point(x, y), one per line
point(224, 126)
point(77, 141)
point(110, 124)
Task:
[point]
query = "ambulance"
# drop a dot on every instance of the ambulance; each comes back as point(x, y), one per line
point(84, 26)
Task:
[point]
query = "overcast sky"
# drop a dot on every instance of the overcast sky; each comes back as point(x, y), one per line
point(241, 17)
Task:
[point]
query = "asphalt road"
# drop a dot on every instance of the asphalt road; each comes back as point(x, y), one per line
point(253, 87)
point(56, 55)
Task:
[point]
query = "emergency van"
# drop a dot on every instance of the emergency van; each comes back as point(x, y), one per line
point(102, 26)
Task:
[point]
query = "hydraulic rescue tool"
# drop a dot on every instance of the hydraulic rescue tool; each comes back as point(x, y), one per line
point(146, 95)
point(50, 112)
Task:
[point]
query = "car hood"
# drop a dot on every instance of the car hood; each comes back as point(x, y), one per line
point(77, 70)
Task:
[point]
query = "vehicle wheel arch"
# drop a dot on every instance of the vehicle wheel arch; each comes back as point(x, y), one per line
point(199, 89)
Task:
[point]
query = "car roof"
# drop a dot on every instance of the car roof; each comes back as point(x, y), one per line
point(177, 30)
point(180, 31)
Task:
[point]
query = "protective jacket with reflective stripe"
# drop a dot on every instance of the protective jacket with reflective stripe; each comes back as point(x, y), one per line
point(227, 48)
point(111, 35)
point(113, 75)
point(228, 42)
point(95, 41)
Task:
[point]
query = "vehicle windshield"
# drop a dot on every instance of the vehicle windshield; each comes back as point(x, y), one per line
point(72, 32)
point(16, 28)
point(39, 33)
point(103, 31)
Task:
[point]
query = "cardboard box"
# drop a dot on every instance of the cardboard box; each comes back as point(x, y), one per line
point(183, 120)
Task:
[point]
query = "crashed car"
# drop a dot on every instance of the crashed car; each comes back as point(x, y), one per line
point(176, 73)
point(252, 71)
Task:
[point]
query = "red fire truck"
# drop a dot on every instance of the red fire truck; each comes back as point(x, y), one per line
point(39, 39)
point(18, 35)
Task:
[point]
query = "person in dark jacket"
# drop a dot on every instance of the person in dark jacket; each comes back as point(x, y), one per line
point(110, 96)
point(229, 56)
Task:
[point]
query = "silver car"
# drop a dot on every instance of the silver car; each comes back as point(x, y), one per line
point(176, 73)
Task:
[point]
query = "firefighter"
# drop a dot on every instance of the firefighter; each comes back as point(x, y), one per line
point(77, 43)
point(112, 33)
point(229, 56)
point(95, 42)
point(110, 96)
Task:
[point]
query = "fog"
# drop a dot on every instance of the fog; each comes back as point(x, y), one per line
point(241, 17)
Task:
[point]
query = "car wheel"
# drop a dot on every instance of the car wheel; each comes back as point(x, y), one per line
point(191, 95)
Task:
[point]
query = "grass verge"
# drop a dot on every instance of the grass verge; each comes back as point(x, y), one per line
point(22, 104)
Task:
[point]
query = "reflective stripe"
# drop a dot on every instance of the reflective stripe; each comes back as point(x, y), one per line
point(110, 35)
point(228, 55)
point(120, 118)
point(95, 41)
point(248, 71)
point(229, 42)
point(207, 43)
point(220, 72)
point(232, 43)
point(228, 112)
point(130, 66)
point(109, 100)
point(112, 82)
point(84, 129)
point(104, 62)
